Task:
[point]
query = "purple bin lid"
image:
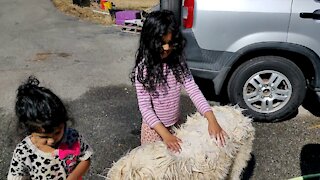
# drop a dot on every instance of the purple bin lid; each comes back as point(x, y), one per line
point(127, 15)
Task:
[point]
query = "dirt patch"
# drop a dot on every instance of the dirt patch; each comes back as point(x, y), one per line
point(91, 14)
point(42, 56)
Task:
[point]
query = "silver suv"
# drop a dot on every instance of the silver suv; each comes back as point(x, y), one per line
point(262, 55)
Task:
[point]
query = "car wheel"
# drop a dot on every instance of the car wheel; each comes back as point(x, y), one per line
point(269, 88)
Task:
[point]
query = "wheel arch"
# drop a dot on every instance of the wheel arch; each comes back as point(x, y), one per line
point(304, 58)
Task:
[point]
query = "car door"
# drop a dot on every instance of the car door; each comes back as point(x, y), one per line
point(304, 26)
point(230, 25)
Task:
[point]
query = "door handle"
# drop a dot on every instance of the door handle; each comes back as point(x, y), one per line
point(314, 15)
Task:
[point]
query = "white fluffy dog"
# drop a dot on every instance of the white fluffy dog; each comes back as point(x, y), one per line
point(200, 158)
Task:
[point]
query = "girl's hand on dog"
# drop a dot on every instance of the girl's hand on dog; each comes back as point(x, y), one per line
point(172, 142)
point(218, 133)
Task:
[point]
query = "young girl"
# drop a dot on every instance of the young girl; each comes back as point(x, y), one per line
point(51, 151)
point(159, 74)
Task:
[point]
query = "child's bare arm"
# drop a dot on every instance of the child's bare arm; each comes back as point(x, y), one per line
point(80, 170)
point(214, 128)
point(170, 140)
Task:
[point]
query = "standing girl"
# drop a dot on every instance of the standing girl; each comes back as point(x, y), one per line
point(159, 74)
point(51, 151)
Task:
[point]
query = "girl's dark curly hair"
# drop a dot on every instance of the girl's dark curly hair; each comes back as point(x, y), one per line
point(39, 108)
point(148, 68)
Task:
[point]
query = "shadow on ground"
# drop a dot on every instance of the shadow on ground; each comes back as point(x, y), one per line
point(248, 171)
point(309, 160)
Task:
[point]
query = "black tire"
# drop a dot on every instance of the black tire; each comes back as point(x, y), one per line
point(174, 6)
point(269, 88)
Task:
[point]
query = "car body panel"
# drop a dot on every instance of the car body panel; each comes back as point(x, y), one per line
point(215, 22)
point(305, 31)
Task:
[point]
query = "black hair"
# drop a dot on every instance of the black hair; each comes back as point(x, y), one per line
point(38, 108)
point(148, 68)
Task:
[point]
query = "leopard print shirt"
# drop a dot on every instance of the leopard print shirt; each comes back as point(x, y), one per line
point(29, 162)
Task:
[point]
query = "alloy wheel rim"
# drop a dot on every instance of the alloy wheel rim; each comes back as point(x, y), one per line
point(267, 91)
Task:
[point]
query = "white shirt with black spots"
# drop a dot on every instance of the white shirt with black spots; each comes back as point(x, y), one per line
point(29, 162)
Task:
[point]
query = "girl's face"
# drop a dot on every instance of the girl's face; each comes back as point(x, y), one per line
point(49, 139)
point(166, 45)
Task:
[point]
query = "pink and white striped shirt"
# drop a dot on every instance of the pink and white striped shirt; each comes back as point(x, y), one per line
point(166, 106)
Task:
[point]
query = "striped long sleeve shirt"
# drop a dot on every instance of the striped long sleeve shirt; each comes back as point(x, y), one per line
point(165, 107)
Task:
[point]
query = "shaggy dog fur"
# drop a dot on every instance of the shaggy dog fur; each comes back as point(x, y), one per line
point(200, 158)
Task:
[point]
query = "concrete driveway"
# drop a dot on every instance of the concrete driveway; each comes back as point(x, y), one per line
point(88, 66)
point(71, 57)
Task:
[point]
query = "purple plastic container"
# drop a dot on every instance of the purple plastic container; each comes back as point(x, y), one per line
point(121, 16)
